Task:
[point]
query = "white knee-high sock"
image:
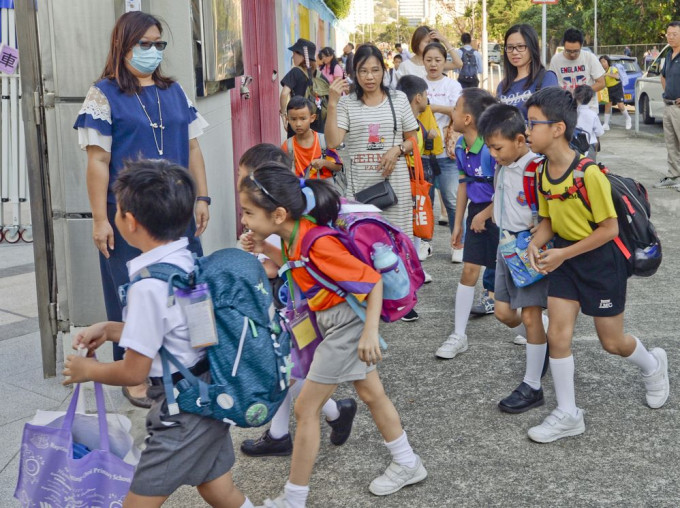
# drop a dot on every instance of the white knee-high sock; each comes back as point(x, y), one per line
point(643, 359)
point(562, 370)
point(465, 296)
point(296, 495)
point(401, 451)
point(625, 113)
point(279, 426)
point(535, 358)
point(247, 504)
point(607, 116)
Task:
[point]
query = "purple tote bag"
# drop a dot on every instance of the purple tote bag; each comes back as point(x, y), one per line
point(50, 476)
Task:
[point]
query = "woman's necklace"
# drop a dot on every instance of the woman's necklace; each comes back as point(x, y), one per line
point(152, 124)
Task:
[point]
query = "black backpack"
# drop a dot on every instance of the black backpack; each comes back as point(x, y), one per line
point(468, 73)
point(637, 240)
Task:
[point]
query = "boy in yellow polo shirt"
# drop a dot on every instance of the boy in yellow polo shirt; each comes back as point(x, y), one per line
point(585, 269)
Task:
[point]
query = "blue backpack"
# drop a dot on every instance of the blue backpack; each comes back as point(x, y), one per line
point(250, 365)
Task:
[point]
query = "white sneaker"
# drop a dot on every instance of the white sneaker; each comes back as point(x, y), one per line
point(656, 384)
point(452, 346)
point(395, 477)
point(629, 122)
point(456, 255)
point(428, 278)
point(279, 502)
point(667, 182)
point(557, 425)
point(425, 250)
point(605, 126)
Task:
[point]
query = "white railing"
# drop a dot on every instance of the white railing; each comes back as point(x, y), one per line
point(13, 177)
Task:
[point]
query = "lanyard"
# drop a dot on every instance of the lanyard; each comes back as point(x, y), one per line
point(284, 253)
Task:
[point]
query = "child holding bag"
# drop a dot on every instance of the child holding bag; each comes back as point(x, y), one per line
point(276, 202)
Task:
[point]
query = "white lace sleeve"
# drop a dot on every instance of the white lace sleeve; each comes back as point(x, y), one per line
point(96, 105)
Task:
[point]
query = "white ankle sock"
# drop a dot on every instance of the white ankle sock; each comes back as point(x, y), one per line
point(643, 359)
point(562, 370)
point(247, 504)
point(401, 451)
point(330, 410)
point(279, 426)
point(465, 296)
point(296, 495)
point(607, 116)
point(535, 359)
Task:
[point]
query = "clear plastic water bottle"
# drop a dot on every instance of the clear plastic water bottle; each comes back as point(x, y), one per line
point(384, 258)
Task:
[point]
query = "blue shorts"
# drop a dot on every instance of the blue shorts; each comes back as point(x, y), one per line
point(596, 279)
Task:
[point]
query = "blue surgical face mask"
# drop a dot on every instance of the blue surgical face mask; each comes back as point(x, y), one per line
point(146, 60)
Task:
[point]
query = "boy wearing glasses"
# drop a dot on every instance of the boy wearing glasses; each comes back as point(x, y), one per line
point(575, 66)
point(585, 270)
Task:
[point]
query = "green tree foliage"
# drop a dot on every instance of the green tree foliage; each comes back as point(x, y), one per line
point(339, 7)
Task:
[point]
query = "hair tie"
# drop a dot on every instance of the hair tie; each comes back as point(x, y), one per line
point(310, 199)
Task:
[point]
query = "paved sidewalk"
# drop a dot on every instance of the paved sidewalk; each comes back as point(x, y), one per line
point(475, 455)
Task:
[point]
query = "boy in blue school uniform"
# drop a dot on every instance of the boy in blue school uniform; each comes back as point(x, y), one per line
point(156, 199)
point(504, 132)
point(476, 170)
point(585, 269)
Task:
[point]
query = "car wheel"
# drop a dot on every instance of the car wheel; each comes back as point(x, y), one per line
point(644, 110)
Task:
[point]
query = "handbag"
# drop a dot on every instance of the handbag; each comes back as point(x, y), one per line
point(49, 475)
point(450, 140)
point(423, 215)
point(380, 194)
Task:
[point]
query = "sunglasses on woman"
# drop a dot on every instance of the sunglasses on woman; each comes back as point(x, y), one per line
point(159, 45)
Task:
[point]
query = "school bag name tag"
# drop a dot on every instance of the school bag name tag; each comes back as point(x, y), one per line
point(198, 309)
point(303, 329)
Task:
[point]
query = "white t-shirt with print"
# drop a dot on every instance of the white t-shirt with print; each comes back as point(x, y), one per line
point(443, 92)
point(149, 322)
point(585, 70)
point(370, 133)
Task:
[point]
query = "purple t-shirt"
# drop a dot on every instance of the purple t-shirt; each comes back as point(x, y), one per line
point(476, 168)
point(517, 95)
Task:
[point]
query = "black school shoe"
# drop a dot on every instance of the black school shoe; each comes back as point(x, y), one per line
point(411, 316)
point(266, 445)
point(342, 425)
point(523, 398)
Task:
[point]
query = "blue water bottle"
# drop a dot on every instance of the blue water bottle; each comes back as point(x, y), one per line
point(396, 282)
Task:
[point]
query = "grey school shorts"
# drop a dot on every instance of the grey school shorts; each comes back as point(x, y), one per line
point(533, 295)
point(183, 449)
point(336, 359)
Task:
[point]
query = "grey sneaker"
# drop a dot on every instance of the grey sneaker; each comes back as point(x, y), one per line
point(656, 384)
point(557, 425)
point(395, 477)
point(485, 306)
point(452, 346)
point(667, 183)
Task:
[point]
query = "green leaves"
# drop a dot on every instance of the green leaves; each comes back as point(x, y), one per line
point(339, 7)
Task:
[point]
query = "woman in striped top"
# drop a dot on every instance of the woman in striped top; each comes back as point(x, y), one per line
point(375, 124)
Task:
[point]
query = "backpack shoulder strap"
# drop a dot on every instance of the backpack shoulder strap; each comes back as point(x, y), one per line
point(530, 180)
point(172, 274)
point(289, 146)
point(322, 143)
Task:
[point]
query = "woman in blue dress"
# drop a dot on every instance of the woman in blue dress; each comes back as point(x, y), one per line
point(522, 68)
point(134, 111)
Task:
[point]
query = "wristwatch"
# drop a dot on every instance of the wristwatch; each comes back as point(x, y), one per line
point(204, 198)
point(402, 149)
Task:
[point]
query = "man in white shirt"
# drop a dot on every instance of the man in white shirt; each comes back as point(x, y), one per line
point(403, 51)
point(575, 67)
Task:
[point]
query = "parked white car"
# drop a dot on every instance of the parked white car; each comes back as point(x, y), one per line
point(494, 52)
point(651, 94)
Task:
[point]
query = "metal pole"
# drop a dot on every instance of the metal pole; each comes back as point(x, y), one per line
point(544, 30)
point(595, 31)
point(38, 178)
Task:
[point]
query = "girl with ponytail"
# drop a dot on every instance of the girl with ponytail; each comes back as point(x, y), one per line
point(277, 202)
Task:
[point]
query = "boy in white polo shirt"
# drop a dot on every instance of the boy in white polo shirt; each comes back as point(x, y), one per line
point(156, 200)
point(503, 129)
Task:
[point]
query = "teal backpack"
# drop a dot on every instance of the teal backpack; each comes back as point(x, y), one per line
point(250, 364)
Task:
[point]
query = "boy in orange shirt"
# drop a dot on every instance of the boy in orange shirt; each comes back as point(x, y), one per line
point(312, 158)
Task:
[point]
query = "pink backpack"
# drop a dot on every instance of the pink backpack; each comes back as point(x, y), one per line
point(359, 232)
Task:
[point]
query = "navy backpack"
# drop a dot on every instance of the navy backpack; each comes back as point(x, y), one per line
point(250, 365)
